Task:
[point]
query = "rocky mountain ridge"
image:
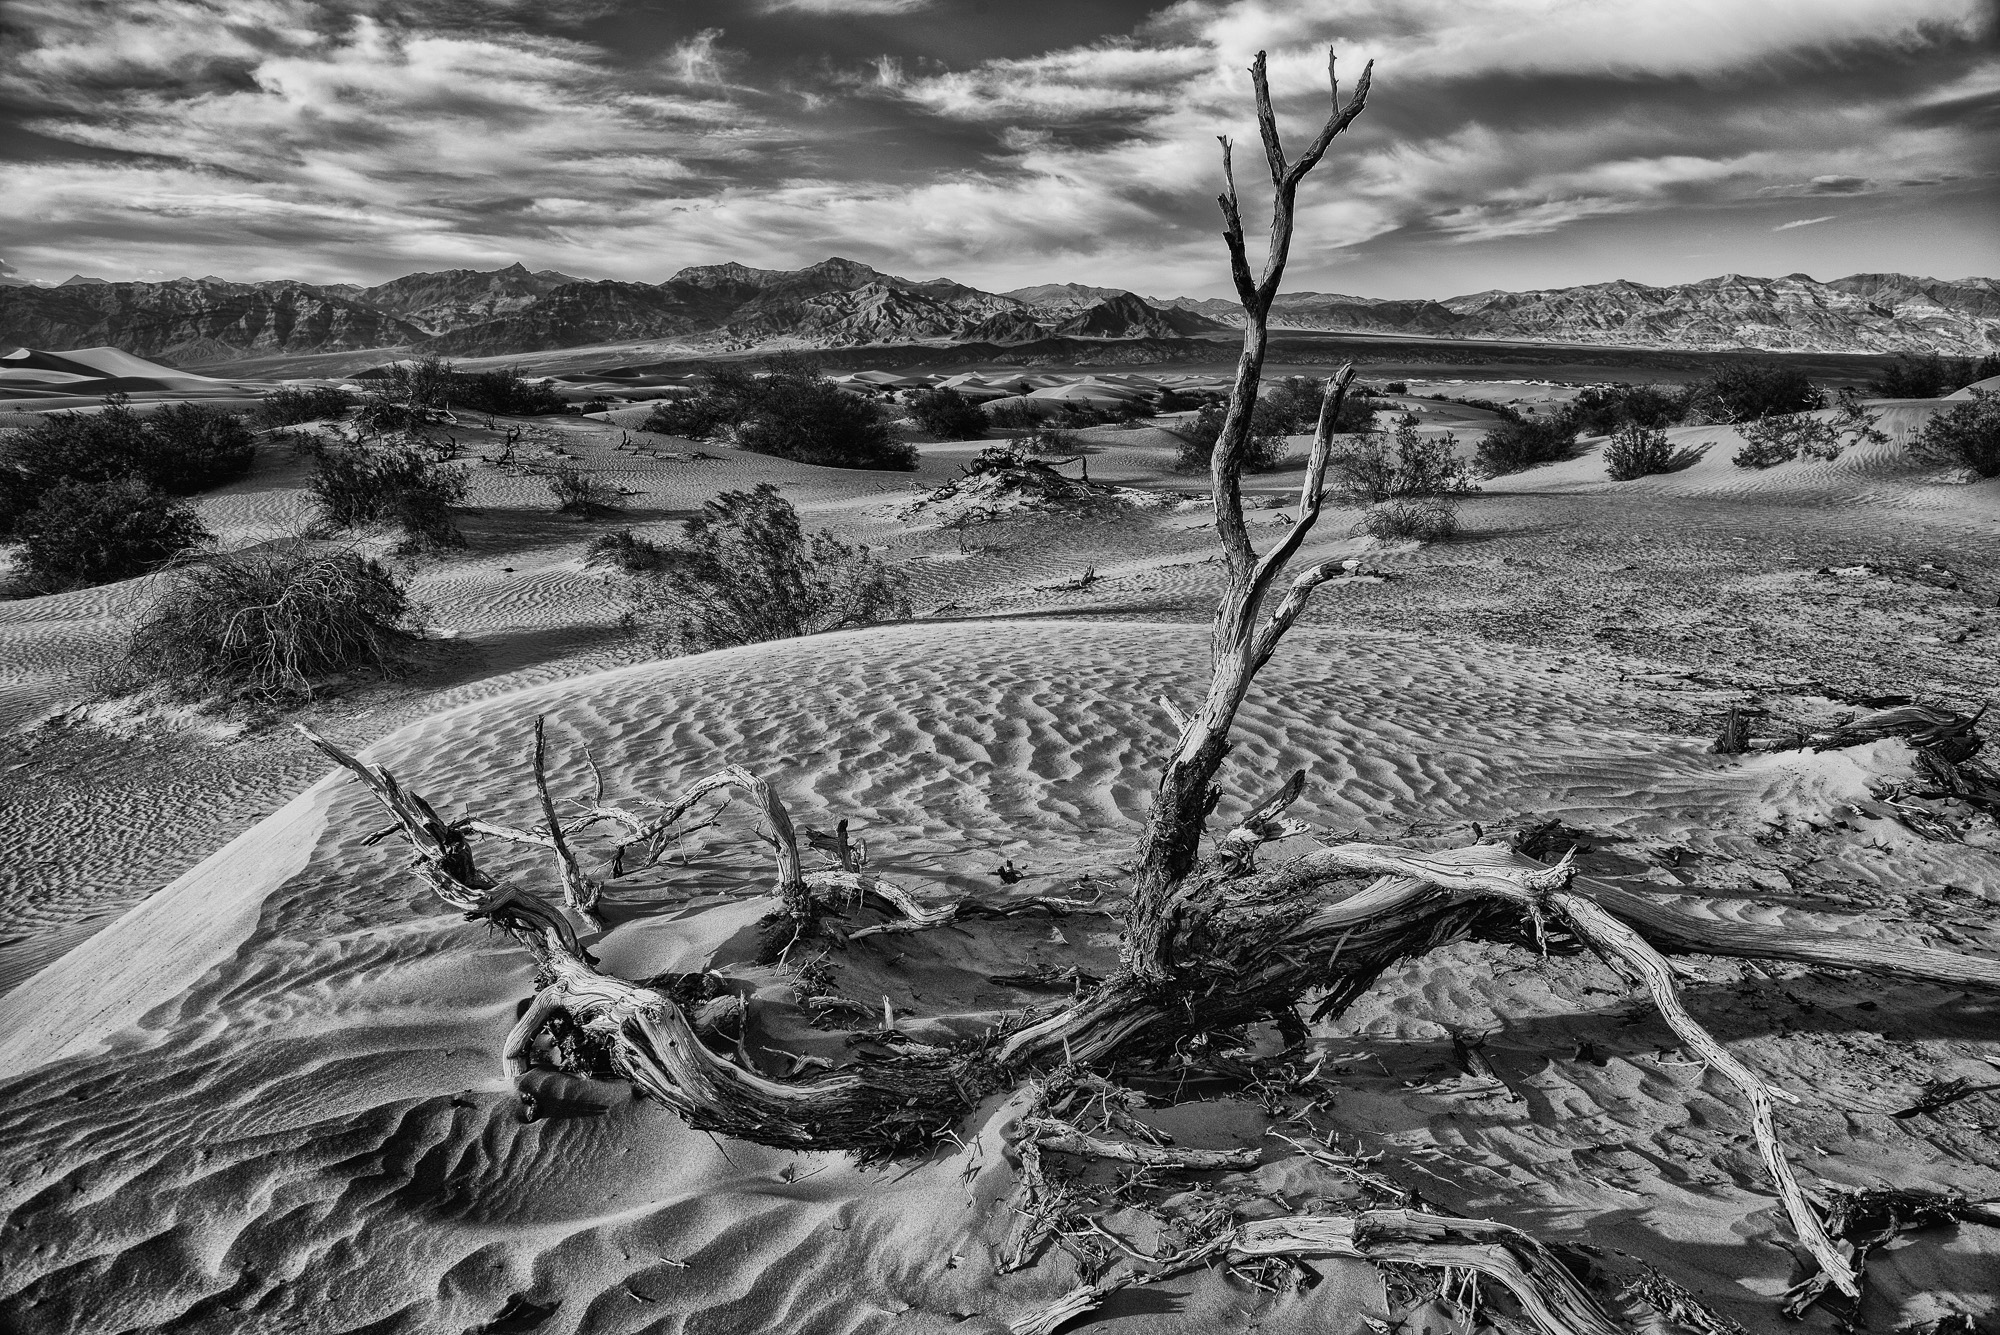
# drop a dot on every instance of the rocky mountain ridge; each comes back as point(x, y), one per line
point(843, 303)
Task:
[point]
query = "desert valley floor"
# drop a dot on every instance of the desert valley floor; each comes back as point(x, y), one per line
point(267, 1097)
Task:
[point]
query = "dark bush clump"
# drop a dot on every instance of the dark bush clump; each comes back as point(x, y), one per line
point(1599, 410)
point(1932, 377)
point(194, 447)
point(792, 411)
point(695, 416)
point(273, 623)
point(503, 391)
point(1636, 451)
point(1013, 416)
point(947, 414)
point(578, 493)
point(1524, 443)
point(182, 449)
point(83, 533)
point(358, 486)
point(1749, 390)
point(632, 553)
point(1180, 401)
point(304, 403)
point(747, 572)
point(1269, 425)
point(1369, 472)
point(1966, 435)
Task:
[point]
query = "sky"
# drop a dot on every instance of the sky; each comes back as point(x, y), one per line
point(1506, 143)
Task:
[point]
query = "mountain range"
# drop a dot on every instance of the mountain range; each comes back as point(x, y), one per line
point(840, 303)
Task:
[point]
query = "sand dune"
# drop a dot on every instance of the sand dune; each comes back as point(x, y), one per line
point(303, 985)
point(237, 1096)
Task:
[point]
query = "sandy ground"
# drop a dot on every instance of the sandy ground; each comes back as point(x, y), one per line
point(266, 1096)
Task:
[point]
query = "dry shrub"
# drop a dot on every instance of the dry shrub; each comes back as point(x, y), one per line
point(1967, 435)
point(1426, 519)
point(1369, 471)
point(357, 486)
point(1636, 451)
point(626, 551)
point(748, 572)
point(304, 403)
point(579, 493)
point(273, 623)
point(81, 534)
point(1524, 443)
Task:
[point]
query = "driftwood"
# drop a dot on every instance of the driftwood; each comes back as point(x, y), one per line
point(1208, 945)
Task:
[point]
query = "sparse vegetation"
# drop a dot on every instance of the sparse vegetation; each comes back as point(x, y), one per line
point(1747, 391)
point(1637, 451)
point(1419, 467)
point(426, 390)
point(948, 415)
point(1931, 376)
point(304, 403)
point(1270, 423)
point(747, 571)
point(83, 533)
point(1523, 443)
point(1783, 437)
point(182, 449)
point(626, 551)
point(581, 493)
point(356, 486)
point(1599, 410)
point(792, 411)
point(1965, 435)
point(1427, 519)
point(275, 623)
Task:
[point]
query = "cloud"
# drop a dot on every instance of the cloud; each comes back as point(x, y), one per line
point(1803, 222)
point(859, 8)
point(371, 136)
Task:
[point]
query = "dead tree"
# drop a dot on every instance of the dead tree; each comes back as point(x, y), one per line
point(1209, 945)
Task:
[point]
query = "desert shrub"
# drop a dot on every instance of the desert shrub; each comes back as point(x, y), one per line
point(1396, 387)
point(1012, 416)
point(1268, 429)
point(624, 550)
point(304, 403)
point(1369, 471)
point(1180, 401)
point(947, 414)
point(182, 449)
point(1931, 376)
point(1966, 435)
point(82, 533)
point(358, 486)
point(1748, 391)
point(503, 391)
point(747, 572)
point(1636, 451)
point(1524, 443)
point(1783, 437)
point(1599, 410)
point(694, 416)
point(273, 622)
point(578, 492)
point(792, 411)
point(1427, 519)
point(1050, 443)
point(193, 447)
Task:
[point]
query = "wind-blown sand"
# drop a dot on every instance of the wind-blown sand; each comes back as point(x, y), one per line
point(268, 1096)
